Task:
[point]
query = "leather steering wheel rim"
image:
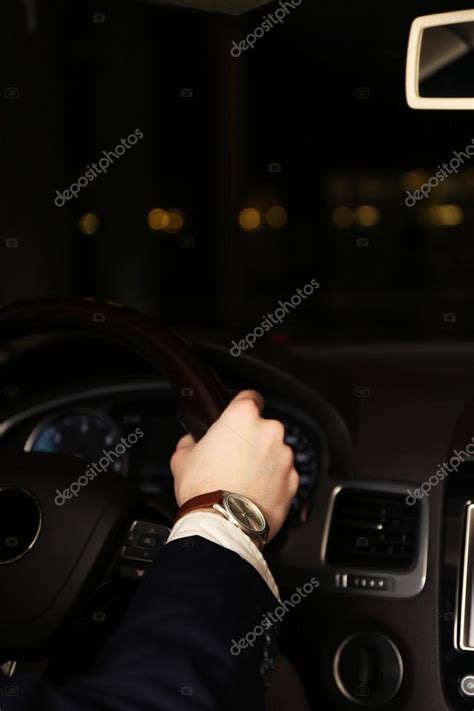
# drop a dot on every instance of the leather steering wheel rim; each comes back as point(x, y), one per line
point(152, 341)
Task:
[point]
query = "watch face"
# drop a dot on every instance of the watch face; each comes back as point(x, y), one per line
point(247, 514)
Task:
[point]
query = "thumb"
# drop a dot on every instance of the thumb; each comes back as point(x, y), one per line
point(250, 395)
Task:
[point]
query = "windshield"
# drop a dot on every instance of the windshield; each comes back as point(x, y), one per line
point(244, 158)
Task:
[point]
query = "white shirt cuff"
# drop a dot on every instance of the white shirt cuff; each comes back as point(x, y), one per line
point(218, 530)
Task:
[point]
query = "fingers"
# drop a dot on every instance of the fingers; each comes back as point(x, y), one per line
point(294, 481)
point(251, 395)
point(185, 442)
point(275, 430)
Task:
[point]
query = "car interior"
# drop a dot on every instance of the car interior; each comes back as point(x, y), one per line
point(294, 216)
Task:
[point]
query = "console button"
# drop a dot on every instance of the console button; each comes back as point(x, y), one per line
point(466, 686)
point(367, 583)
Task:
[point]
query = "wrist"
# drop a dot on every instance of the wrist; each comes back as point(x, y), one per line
point(212, 510)
point(237, 509)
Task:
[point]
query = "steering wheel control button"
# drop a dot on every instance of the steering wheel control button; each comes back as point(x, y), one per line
point(139, 554)
point(148, 541)
point(128, 571)
point(141, 529)
point(20, 524)
point(466, 686)
point(151, 529)
point(142, 540)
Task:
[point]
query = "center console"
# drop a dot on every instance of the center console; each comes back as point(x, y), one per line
point(458, 589)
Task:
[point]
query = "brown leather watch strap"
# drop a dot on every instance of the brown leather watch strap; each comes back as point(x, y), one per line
point(203, 501)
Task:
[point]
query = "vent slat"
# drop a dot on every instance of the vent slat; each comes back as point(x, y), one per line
point(376, 530)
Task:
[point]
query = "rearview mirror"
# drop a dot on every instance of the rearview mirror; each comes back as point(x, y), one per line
point(440, 61)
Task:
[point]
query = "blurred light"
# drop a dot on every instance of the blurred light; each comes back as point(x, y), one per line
point(413, 179)
point(250, 218)
point(158, 219)
point(368, 215)
point(89, 223)
point(442, 215)
point(175, 221)
point(276, 216)
point(342, 216)
point(453, 215)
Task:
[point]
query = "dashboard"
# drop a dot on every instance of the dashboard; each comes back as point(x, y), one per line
point(366, 423)
point(99, 426)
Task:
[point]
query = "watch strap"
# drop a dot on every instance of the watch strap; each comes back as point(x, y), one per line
point(202, 501)
point(207, 501)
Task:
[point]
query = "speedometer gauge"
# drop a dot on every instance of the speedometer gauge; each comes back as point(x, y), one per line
point(85, 434)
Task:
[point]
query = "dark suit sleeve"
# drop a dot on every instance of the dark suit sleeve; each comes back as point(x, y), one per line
point(173, 650)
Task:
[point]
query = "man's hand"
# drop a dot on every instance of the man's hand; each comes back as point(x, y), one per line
point(243, 453)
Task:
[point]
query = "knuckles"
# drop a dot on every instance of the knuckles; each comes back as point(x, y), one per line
point(274, 429)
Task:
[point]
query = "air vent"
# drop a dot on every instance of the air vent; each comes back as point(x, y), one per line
point(373, 530)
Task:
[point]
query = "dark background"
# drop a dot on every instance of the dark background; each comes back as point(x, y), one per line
point(322, 96)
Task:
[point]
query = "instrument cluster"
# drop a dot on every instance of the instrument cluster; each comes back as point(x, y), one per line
point(105, 430)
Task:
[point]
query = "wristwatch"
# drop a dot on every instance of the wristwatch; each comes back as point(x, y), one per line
point(236, 508)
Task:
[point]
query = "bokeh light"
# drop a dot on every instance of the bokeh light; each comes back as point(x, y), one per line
point(343, 216)
point(158, 219)
point(442, 215)
point(89, 223)
point(250, 218)
point(368, 215)
point(414, 178)
point(175, 221)
point(276, 216)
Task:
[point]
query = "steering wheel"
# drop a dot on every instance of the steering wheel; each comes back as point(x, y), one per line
point(51, 553)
